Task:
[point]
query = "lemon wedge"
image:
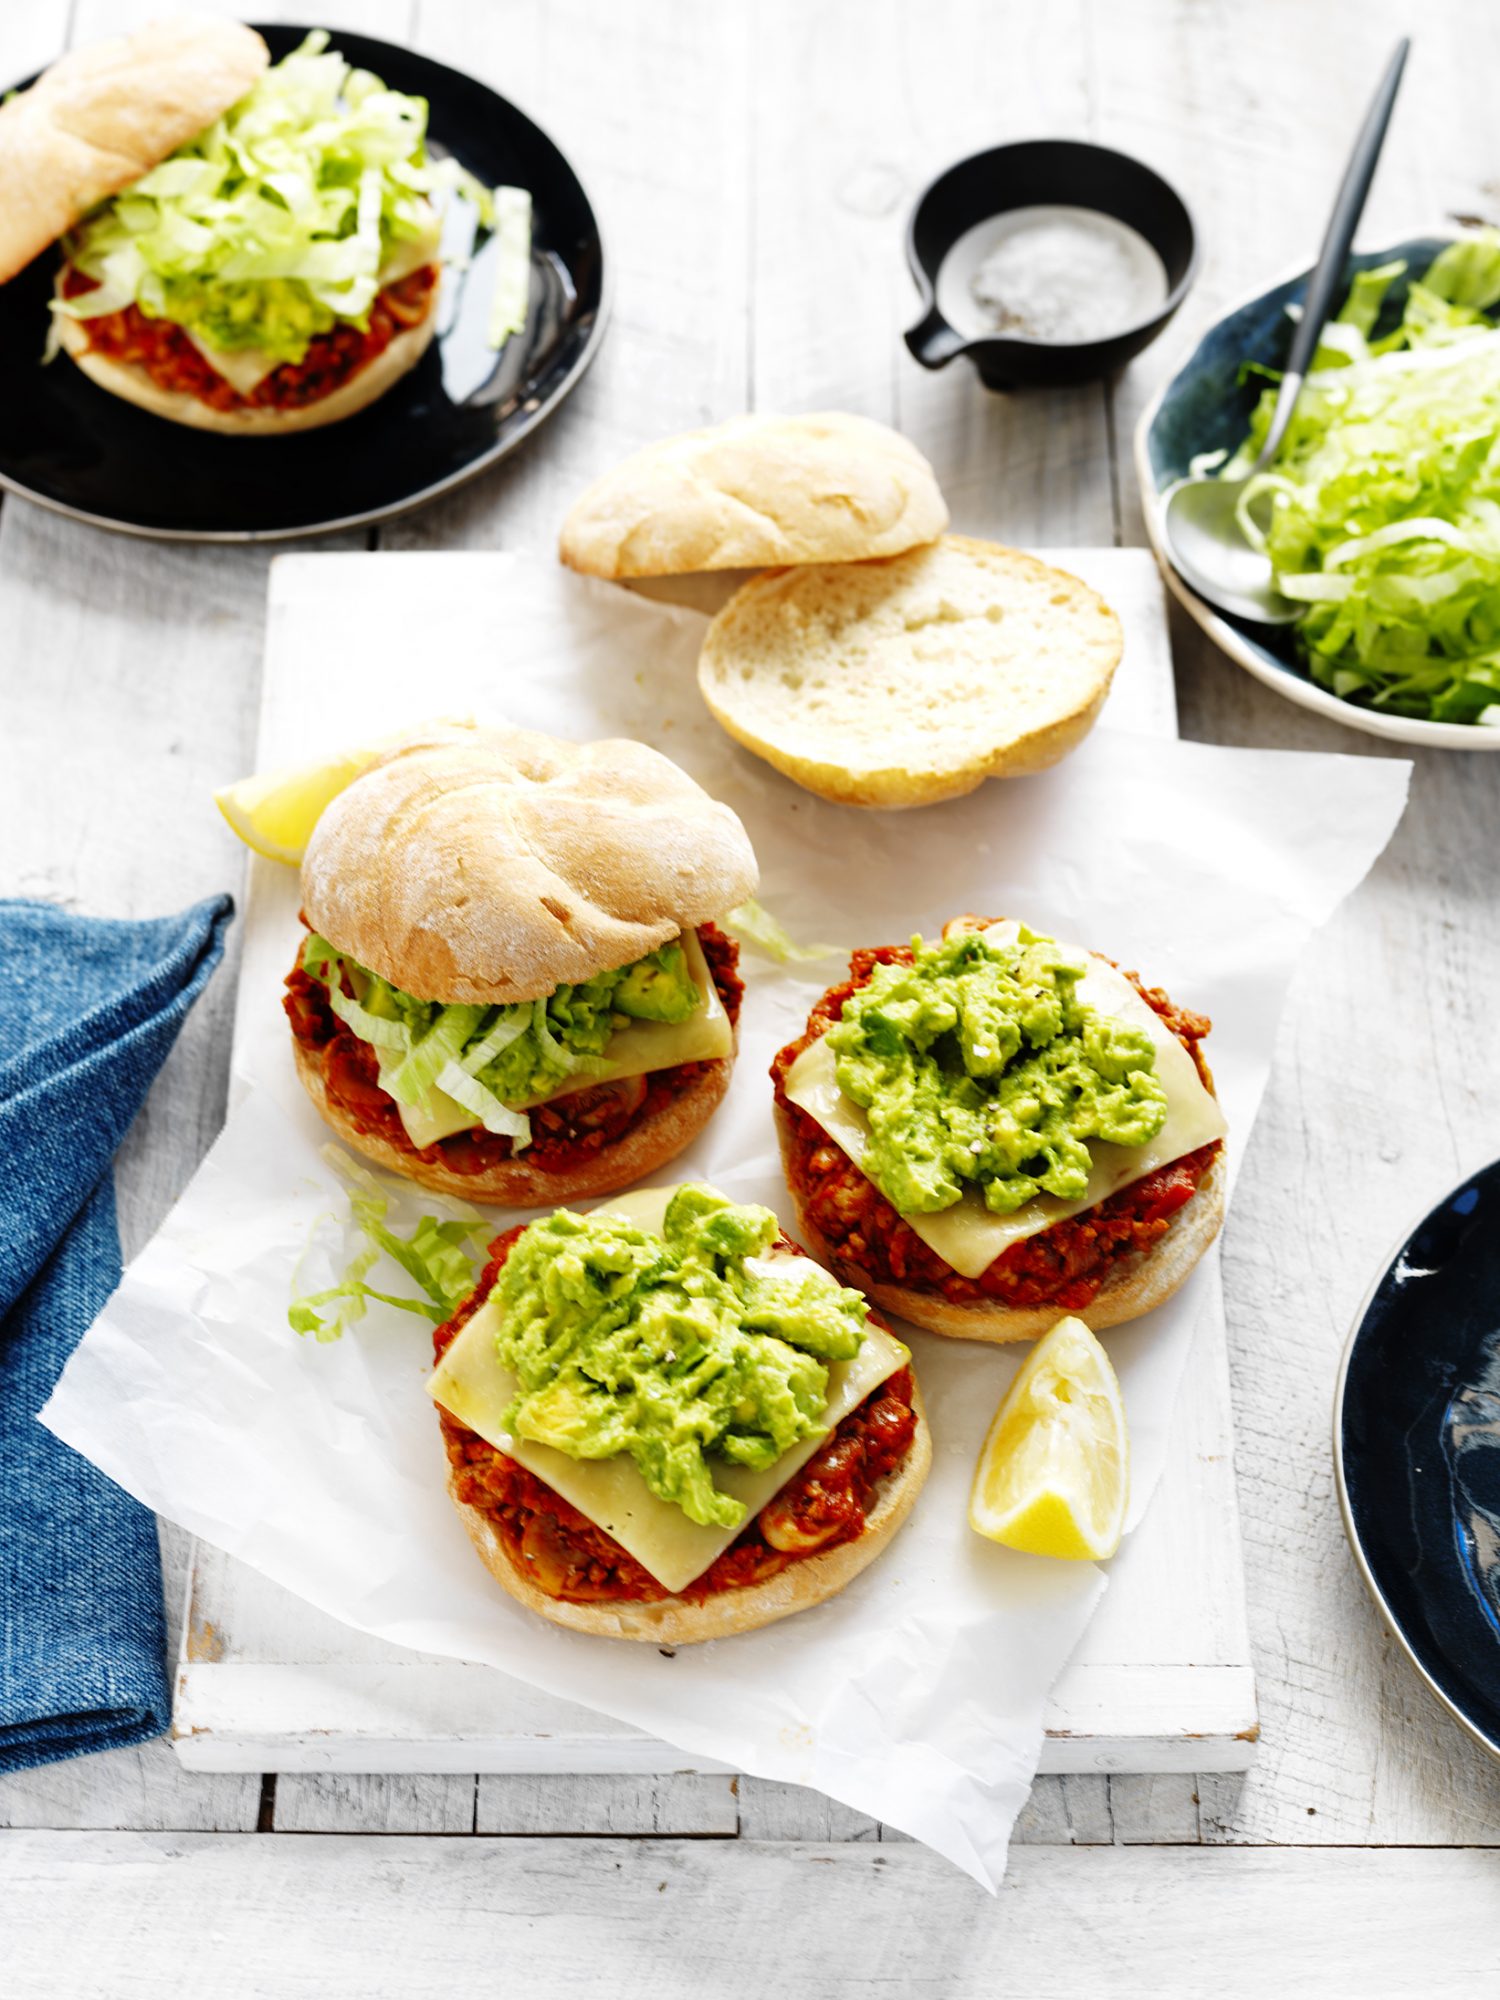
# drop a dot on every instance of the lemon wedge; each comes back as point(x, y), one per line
point(276, 811)
point(1054, 1475)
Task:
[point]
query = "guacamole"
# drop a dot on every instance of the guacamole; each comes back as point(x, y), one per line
point(977, 1066)
point(673, 1348)
point(515, 1053)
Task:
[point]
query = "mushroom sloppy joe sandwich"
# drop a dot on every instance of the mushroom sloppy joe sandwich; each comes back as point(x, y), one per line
point(513, 988)
point(993, 1130)
point(246, 248)
point(664, 1423)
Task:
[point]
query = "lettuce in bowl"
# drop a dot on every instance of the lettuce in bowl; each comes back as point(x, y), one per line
point(1381, 512)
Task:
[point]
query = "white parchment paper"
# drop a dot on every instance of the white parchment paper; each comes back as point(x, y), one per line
point(917, 1694)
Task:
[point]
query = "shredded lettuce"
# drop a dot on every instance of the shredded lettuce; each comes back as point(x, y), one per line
point(492, 1060)
point(285, 217)
point(439, 1255)
point(1381, 513)
point(757, 928)
point(512, 294)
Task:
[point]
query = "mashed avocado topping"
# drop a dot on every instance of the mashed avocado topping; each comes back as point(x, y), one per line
point(674, 1348)
point(492, 1058)
point(977, 1066)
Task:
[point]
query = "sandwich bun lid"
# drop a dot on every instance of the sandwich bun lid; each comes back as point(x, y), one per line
point(757, 490)
point(488, 864)
point(103, 115)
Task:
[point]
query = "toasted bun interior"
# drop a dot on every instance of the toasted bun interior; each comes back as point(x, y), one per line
point(911, 680)
point(490, 864)
point(105, 114)
point(1134, 1286)
point(131, 382)
point(648, 1144)
point(757, 490)
point(673, 1622)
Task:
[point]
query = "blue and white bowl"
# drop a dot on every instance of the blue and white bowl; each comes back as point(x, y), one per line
point(1205, 407)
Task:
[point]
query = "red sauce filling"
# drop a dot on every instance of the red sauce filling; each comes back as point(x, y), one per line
point(1063, 1266)
point(566, 1555)
point(566, 1132)
point(163, 350)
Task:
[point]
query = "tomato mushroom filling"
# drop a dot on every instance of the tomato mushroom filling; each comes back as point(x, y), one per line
point(568, 1557)
point(163, 350)
point(567, 1131)
point(1063, 1265)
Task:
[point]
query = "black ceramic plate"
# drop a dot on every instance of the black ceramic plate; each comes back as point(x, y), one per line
point(1417, 1446)
point(73, 447)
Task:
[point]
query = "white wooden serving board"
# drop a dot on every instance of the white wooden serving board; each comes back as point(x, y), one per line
point(1161, 1682)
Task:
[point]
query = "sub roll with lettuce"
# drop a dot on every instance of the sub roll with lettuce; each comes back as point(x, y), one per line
point(663, 1422)
point(990, 1131)
point(246, 249)
point(512, 987)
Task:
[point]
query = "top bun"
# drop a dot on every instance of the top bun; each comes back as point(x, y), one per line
point(753, 492)
point(102, 116)
point(492, 864)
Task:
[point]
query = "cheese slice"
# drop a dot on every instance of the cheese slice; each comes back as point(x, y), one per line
point(471, 1383)
point(967, 1235)
point(245, 368)
point(636, 1050)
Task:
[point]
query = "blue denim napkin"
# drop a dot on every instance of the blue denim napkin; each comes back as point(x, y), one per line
point(88, 1010)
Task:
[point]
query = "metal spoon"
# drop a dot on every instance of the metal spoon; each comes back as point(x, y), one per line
point(1203, 538)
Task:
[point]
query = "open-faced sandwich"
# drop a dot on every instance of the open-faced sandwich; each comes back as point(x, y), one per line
point(663, 1422)
point(991, 1131)
point(514, 989)
point(245, 249)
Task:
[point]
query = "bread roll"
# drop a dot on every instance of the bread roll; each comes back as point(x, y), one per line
point(492, 864)
point(103, 115)
point(758, 490)
point(913, 679)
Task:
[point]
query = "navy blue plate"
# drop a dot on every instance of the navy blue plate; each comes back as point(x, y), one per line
point(1205, 407)
point(70, 445)
point(1416, 1435)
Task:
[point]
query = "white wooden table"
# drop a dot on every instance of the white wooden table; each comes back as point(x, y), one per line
point(753, 165)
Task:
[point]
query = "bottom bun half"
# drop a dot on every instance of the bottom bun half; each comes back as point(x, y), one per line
point(1134, 1286)
point(672, 1621)
point(132, 384)
point(649, 1144)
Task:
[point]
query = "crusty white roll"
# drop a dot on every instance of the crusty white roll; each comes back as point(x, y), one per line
point(103, 115)
point(131, 382)
point(673, 1621)
point(489, 865)
point(757, 490)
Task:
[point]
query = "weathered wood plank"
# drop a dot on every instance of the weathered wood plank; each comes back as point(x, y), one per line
point(681, 1802)
point(770, 1811)
point(346, 1802)
point(283, 1916)
point(652, 107)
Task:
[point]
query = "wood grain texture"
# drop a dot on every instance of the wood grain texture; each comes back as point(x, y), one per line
point(111, 652)
point(118, 1916)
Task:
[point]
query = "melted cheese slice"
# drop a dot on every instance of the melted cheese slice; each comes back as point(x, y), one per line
point(636, 1050)
point(245, 368)
point(470, 1382)
point(967, 1235)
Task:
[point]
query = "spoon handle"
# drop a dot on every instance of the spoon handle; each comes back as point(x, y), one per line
point(1328, 274)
